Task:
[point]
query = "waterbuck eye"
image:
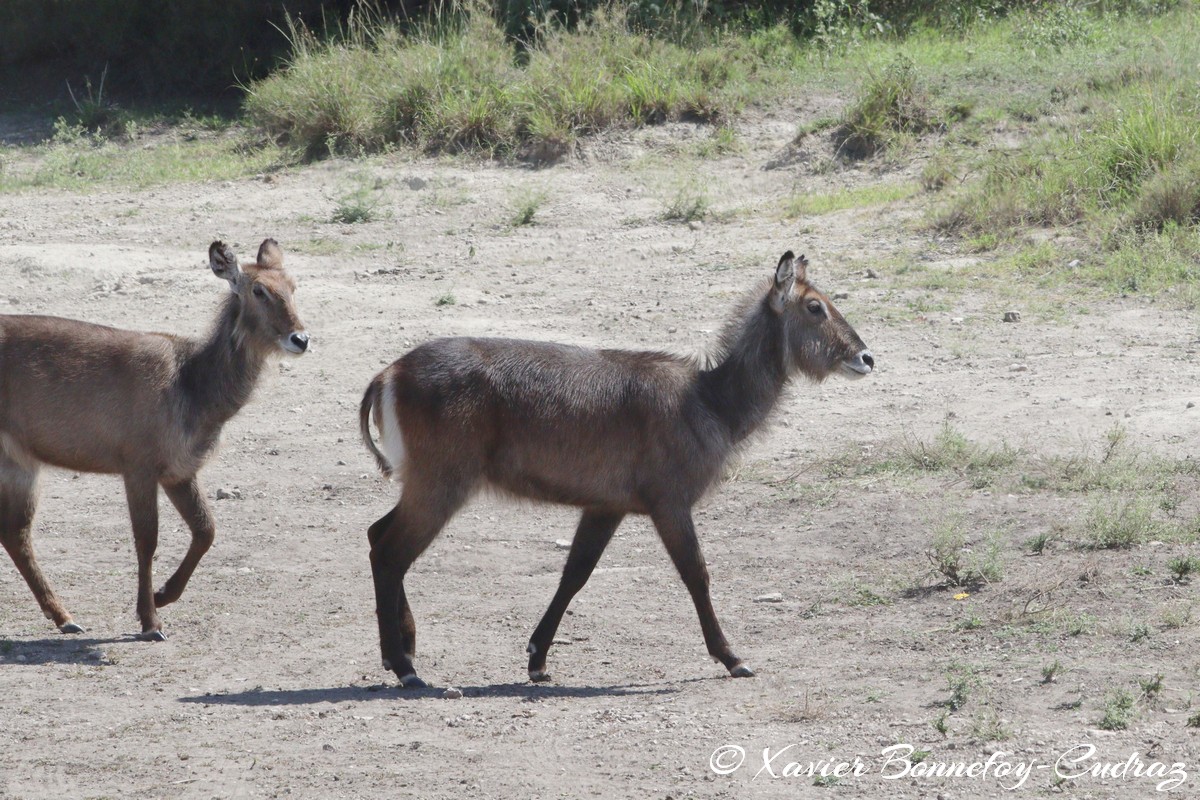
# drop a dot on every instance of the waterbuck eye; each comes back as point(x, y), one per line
point(260, 292)
point(815, 308)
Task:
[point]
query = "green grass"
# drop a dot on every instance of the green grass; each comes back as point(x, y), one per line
point(892, 107)
point(461, 85)
point(962, 681)
point(689, 202)
point(75, 159)
point(960, 565)
point(1182, 567)
point(1118, 710)
point(1119, 523)
point(803, 204)
point(1111, 149)
point(524, 207)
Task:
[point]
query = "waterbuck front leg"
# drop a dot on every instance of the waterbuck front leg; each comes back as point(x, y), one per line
point(142, 494)
point(595, 531)
point(18, 501)
point(678, 534)
point(189, 501)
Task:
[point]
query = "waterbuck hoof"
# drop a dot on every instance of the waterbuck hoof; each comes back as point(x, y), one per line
point(411, 681)
point(539, 676)
point(151, 636)
point(70, 627)
point(741, 671)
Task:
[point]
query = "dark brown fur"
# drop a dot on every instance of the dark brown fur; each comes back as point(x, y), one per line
point(147, 406)
point(610, 431)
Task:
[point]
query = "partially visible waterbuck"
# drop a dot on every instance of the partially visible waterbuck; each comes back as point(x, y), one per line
point(613, 432)
point(149, 406)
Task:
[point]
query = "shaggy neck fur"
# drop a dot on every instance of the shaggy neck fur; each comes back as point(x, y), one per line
point(751, 369)
point(218, 377)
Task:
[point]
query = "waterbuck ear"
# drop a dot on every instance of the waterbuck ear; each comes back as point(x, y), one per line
point(223, 262)
point(785, 281)
point(270, 255)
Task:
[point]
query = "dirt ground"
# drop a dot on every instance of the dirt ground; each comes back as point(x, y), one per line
point(270, 684)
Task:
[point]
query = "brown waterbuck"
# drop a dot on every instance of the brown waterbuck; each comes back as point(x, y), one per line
point(612, 432)
point(148, 406)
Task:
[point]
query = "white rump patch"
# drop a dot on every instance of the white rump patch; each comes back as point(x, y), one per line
point(391, 440)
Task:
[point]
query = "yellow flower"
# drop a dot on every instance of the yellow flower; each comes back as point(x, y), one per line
point(962, 596)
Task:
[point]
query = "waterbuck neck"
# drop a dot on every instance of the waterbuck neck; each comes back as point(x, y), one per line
point(750, 373)
point(219, 375)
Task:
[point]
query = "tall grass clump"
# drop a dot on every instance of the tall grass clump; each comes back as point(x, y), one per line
point(457, 83)
point(1127, 175)
point(892, 105)
point(1132, 168)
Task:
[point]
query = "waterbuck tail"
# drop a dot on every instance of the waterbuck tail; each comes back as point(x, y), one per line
point(370, 403)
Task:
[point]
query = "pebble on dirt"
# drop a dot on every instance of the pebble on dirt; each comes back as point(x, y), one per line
point(1012, 316)
point(452, 693)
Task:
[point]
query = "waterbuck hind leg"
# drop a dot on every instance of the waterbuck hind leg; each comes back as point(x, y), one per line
point(397, 539)
point(189, 501)
point(678, 534)
point(595, 531)
point(18, 501)
point(142, 494)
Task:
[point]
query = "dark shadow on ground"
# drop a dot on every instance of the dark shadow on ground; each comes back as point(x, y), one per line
point(343, 694)
point(61, 649)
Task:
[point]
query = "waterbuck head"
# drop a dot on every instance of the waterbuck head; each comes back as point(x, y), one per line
point(820, 341)
point(267, 317)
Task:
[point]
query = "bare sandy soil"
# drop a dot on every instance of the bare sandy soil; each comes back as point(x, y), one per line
point(270, 685)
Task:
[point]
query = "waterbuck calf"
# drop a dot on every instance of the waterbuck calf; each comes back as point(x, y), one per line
point(613, 432)
point(149, 406)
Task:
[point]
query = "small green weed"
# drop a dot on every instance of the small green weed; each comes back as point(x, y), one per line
point(987, 726)
point(525, 206)
point(1050, 672)
point(1182, 567)
point(1118, 524)
point(689, 203)
point(1037, 544)
point(1152, 686)
point(1175, 617)
point(359, 203)
point(1118, 710)
point(972, 622)
point(961, 680)
point(962, 566)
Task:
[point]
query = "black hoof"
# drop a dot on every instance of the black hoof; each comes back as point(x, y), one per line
point(538, 675)
point(741, 671)
point(70, 627)
point(151, 636)
point(411, 681)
